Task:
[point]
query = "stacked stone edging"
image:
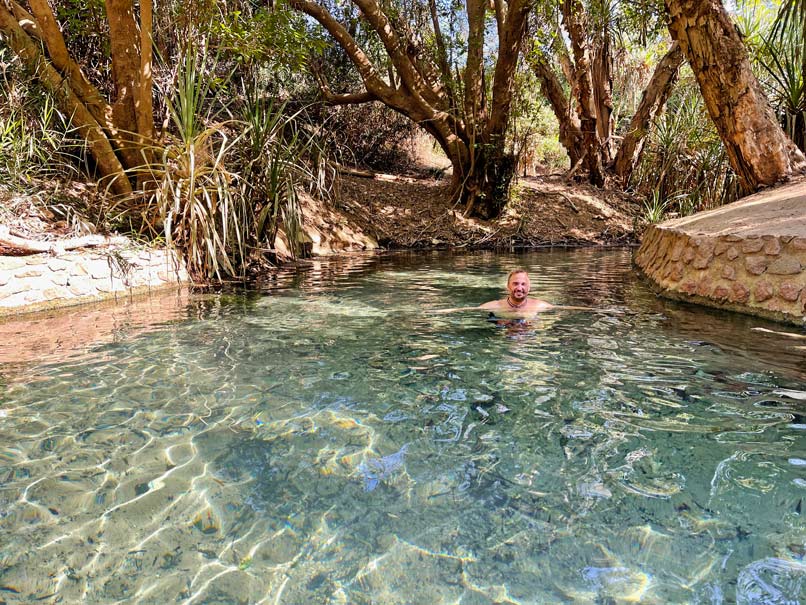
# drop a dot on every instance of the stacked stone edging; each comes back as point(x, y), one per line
point(763, 275)
point(43, 281)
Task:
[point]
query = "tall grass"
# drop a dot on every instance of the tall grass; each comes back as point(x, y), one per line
point(34, 135)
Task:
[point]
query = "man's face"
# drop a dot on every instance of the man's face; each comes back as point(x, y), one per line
point(518, 286)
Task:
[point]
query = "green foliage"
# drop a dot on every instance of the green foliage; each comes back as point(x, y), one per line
point(86, 33)
point(791, 15)
point(34, 136)
point(278, 159)
point(534, 133)
point(684, 166)
point(219, 190)
point(783, 64)
point(192, 202)
point(274, 38)
point(776, 41)
point(654, 208)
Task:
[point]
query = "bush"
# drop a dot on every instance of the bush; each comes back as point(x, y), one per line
point(685, 168)
point(370, 135)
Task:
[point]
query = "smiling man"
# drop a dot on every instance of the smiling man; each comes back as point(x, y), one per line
point(517, 302)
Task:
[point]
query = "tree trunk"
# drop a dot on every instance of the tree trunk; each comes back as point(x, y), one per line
point(602, 78)
point(758, 150)
point(144, 106)
point(573, 18)
point(60, 58)
point(652, 103)
point(570, 133)
point(124, 49)
point(485, 192)
point(112, 173)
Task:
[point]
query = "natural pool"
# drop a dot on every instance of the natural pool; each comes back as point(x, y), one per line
point(332, 441)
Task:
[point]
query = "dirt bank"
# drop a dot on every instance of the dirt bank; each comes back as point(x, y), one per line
point(400, 212)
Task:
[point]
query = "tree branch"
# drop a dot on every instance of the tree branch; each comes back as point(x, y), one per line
point(369, 75)
point(652, 103)
point(350, 99)
point(509, 48)
point(396, 48)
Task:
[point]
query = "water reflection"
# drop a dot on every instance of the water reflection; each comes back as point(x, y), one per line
point(334, 442)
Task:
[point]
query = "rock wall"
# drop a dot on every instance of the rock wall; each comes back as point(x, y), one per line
point(762, 275)
point(43, 281)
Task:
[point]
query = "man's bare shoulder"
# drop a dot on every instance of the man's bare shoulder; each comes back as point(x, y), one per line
point(536, 304)
point(495, 305)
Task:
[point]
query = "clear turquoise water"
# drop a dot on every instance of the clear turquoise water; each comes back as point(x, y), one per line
point(329, 440)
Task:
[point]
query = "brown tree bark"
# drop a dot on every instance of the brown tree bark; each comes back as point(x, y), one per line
point(124, 49)
point(144, 105)
point(31, 54)
point(574, 20)
point(602, 78)
point(652, 102)
point(570, 132)
point(50, 33)
point(759, 151)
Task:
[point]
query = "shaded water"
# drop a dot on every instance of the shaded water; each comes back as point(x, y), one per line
point(331, 441)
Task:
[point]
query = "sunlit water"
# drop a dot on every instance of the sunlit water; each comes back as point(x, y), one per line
point(332, 441)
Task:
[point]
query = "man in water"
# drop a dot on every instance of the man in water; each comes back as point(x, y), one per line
point(517, 304)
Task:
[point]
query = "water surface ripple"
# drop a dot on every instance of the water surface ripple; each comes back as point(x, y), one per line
point(330, 440)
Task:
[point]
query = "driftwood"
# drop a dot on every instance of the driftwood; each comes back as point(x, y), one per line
point(24, 245)
point(378, 176)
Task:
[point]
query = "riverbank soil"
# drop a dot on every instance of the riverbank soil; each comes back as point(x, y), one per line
point(405, 212)
point(384, 211)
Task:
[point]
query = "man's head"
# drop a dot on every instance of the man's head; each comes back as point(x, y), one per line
point(518, 285)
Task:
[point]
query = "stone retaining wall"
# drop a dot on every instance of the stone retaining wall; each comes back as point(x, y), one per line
point(43, 281)
point(763, 275)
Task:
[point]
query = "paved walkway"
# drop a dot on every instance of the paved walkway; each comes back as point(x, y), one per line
point(749, 256)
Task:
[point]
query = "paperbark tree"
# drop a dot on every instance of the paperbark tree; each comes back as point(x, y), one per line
point(652, 103)
point(594, 153)
point(118, 133)
point(757, 148)
point(552, 89)
point(587, 129)
point(469, 125)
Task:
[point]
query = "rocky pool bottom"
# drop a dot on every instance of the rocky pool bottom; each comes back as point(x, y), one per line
point(331, 440)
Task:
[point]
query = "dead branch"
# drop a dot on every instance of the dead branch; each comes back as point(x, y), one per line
point(26, 245)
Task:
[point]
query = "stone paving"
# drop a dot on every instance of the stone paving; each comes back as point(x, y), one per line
point(749, 256)
point(43, 281)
